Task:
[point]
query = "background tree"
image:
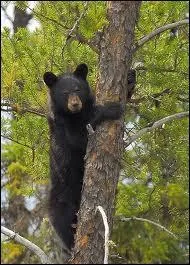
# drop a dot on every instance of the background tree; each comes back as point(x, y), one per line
point(153, 182)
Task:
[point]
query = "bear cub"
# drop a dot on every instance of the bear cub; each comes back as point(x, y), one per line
point(72, 108)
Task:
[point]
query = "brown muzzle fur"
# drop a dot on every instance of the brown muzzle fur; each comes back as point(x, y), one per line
point(74, 103)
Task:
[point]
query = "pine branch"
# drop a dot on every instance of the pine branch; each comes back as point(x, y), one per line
point(151, 35)
point(41, 15)
point(17, 142)
point(151, 126)
point(25, 145)
point(12, 235)
point(21, 110)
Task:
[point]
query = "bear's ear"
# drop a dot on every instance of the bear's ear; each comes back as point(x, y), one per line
point(81, 71)
point(50, 79)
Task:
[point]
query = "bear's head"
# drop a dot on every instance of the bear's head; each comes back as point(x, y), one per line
point(69, 92)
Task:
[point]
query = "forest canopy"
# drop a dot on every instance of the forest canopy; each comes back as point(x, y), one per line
point(153, 184)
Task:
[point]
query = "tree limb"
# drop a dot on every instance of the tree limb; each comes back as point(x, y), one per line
point(148, 221)
point(163, 70)
point(15, 141)
point(78, 36)
point(25, 145)
point(83, 40)
point(153, 96)
point(21, 110)
point(154, 125)
point(43, 257)
point(41, 15)
point(151, 35)
point(104, 217)
point(75, 26)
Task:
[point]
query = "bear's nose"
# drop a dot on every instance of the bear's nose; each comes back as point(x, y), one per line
point(74, 102)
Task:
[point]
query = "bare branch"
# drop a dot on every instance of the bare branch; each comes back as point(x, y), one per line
point(76, 35)
point(154, 125)
point(164, 70)
point(43, 257)
point(165, 91)
point(148, 37)
point(76, 24)
point(83, 40)
point(153, 96)
point(149, 221)
point(104, 217)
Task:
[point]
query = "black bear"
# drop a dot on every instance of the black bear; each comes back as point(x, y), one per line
point(72, 108)
point(131, 80)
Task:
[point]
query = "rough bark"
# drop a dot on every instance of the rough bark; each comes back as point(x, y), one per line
point(106, 144)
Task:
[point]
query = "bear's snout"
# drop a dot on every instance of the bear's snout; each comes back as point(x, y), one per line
point(74, 103)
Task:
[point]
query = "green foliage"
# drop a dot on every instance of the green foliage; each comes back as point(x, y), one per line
point(11, 251)
point(153, 183)
point(157, 166)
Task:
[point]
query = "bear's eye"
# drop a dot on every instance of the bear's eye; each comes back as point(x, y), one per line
point(77, 89)
point(65, 93)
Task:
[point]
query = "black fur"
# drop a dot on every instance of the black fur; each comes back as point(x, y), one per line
point(68, 141)
point(131, 79)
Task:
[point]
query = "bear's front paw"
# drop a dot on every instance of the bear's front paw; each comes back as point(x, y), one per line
point(115, 110)
point(119, 109)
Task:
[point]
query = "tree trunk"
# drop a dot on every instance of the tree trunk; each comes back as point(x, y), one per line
point(21, 19)
point(106, 144)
